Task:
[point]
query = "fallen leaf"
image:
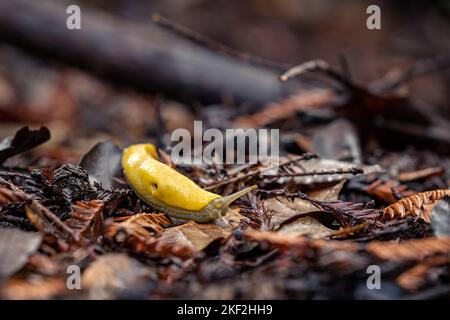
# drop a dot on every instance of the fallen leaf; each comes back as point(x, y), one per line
point(117, 276)
point(15, 248)
point(338, 141)
point(306, 226)
point(281, 208)
point(384, 190)
point(140, 233)
point(196, 236)
point(102, 163)
point(24, 140)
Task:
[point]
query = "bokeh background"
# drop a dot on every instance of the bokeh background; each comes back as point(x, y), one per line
point(81, 109)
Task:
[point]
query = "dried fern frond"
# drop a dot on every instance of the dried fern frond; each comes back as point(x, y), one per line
point(86, 218)
point(141, 225)
point(419, 205)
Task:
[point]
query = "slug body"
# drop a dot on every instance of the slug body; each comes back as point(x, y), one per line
point(169, 191)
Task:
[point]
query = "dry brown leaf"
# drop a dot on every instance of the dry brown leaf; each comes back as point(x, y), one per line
point(140, 231)
point(198, 236)
point(416, 249)
point(281, 208)
point(15, 248)
point(307, 226)
point(383, 190)
point(193, 235)
point(419, 205)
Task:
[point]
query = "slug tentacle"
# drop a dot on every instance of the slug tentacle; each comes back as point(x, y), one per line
point(169, 191)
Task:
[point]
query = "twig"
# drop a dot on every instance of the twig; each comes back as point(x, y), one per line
point(419, 68)
point(345, 67)
point(353, 171)
point(51, 217)
point(201, 39)
point(306, 156)
point(318, 65)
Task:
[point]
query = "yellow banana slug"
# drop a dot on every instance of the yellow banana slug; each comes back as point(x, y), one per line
point(169, 191)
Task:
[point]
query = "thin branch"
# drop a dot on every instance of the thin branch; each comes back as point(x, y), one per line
point(202, 40)
point(353, 171)
point(306, 156)
point(419, 68)
point(317, 65)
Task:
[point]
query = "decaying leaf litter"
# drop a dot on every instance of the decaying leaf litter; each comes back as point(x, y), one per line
point(347, 194)
point(310, 230)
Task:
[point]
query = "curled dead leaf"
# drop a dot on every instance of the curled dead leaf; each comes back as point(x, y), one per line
point(23, 140)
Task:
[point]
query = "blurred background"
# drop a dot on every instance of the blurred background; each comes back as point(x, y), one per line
point(81, 109)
